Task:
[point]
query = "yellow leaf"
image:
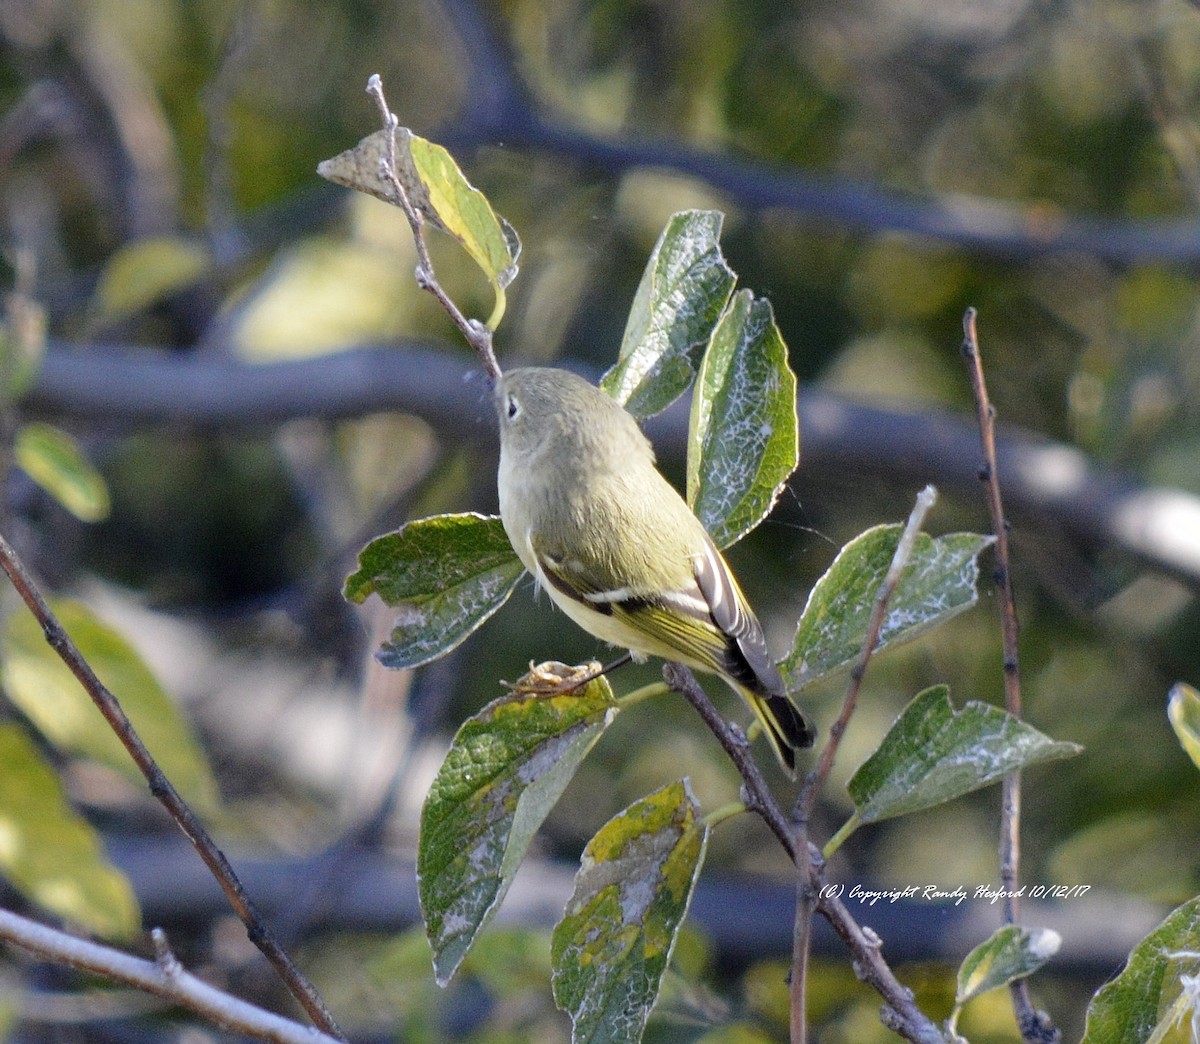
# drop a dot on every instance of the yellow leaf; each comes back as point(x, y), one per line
point(50, 853)
point(144, 272)
point(438, 190)
point(1183, 709)
point(54, 461)
point(46, 691)
point(319, 296)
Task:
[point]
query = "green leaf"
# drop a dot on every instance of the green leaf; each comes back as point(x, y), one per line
point(681, 296)
point(1157, 996)
point(744, 438)
point(144, 272)
point(631, 895)
point(446, 574)
point(54, 461)
point(933, 754)
point(51, 854)
point(1010, 953)
point(1183, 710)
point(505, 770)
point(939, 583)
point(46, 691)
point(437, 188)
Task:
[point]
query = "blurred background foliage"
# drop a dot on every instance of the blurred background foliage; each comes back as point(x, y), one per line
point(883, 165)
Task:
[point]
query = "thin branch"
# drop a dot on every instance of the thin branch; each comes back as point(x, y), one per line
point(904, 548)
point(901, 1014)
point(164, 977)
point(756, 794)
point(1035, 1026)
point(476, 334)
point(807, 893)
point(187, 821)
point(807, 889)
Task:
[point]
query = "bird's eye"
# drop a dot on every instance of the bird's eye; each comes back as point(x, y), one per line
point(513, 408)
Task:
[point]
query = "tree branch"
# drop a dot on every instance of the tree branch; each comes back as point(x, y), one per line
point(164, 977)
point(1036, 1026)
point(757, 795)
point(904, 549)
point(810, 874)
point(162, 789)
point(500, 108)
point(901, 1012)
point(1045, 479)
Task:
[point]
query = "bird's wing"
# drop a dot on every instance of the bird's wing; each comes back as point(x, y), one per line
point(676, 624)
point(732, 614)
point(706, 624)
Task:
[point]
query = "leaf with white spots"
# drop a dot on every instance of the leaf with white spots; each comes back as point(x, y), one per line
point(938, 583)
point(1156, 998)
point(744, 438)
point(933, 754)
point(444, 575)
point(632, 891)
point(681, 296)
point(503, 773)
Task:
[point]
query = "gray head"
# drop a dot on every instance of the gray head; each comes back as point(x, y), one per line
point(542, 408)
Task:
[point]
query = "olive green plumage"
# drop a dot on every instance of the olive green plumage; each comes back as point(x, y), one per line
point(617, 548)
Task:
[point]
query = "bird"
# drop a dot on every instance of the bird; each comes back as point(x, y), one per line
point(618, 549)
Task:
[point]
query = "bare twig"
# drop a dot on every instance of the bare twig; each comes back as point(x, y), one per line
point(164, 977)
point(1035, 1026)
point(916, 519)
point(476, 334)
point(161, 788)
point(807, 890)
point(807, 893)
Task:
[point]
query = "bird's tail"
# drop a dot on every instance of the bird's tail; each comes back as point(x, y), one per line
point(785, 727)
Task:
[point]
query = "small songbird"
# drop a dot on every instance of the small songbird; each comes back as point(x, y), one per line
point(618, 549)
